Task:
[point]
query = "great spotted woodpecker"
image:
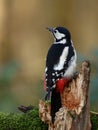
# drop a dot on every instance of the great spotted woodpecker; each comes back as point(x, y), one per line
point(60, 66)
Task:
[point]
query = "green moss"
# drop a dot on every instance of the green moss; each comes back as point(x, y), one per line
point(94, 121)
point(30, 121)
point(21, 121)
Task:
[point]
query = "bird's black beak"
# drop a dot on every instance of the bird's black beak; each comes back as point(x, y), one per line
point(50, 29)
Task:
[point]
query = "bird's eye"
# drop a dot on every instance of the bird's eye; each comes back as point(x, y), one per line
point(55, 31)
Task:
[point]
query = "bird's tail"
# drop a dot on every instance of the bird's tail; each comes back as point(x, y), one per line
point(55, 103)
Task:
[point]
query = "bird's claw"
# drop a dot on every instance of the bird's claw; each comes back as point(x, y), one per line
point(47, 97)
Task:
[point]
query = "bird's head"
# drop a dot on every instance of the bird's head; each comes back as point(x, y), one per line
point(60, 34)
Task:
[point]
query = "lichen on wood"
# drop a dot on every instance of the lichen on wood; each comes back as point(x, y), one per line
point(75, 111)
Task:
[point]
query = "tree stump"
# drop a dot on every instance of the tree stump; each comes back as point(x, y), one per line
point(75, 111)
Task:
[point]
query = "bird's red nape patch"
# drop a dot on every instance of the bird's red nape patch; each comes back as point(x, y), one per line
point(61, 83)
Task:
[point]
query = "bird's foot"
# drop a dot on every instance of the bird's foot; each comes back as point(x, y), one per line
point(47, 97)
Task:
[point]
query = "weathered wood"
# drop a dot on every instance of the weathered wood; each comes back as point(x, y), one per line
point(75, 111)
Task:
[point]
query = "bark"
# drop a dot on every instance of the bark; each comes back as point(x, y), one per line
point(75, 111)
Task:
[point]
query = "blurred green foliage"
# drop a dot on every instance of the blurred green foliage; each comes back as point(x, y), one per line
point(94, 80)
point(93, 58)
point(7, 72)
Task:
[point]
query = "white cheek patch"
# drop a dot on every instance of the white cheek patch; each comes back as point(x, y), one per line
point(59, 35)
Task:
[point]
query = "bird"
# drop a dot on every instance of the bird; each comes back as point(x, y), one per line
point(60, 66)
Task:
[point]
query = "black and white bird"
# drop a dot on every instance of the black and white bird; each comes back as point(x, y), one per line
point(60, 66)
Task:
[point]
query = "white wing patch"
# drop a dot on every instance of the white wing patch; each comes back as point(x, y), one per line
point(62, 59)
point(46, 69)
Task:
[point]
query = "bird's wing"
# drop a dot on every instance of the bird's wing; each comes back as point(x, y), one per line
point(53, 58)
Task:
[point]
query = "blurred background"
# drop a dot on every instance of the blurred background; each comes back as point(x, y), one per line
point(24, 43)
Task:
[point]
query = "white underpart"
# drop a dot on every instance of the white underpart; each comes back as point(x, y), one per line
point(62, 60)
point(72, 66)
point(59, 35)
point(63, 41)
